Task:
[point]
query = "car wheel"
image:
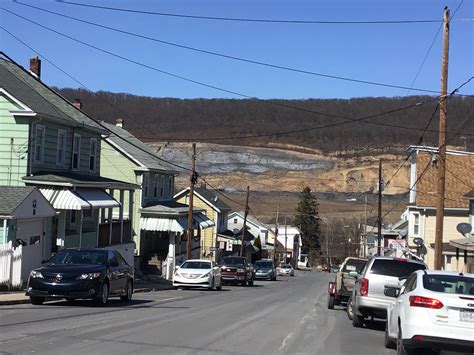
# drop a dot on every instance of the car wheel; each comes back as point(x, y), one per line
point(349, 310)
point(128, 292)
point(357, 321)
point(103, 294)
point(37, 301)
point(331, 302)
point(389, 342)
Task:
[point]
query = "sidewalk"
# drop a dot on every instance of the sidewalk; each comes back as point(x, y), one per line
point(8, 298)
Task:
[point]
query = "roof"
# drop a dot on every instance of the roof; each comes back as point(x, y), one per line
point(250, 219)
point(136, 149)
point(40, 98)
point(207, 196)
point(459, 180)
point(169, 208)
point(72, 179)
point(11, 197)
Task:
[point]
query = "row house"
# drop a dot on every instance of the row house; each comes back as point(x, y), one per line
point(49, 143)
point(421, 210)
point(160, 223)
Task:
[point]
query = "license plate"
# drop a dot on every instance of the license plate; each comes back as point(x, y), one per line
point(466, 315)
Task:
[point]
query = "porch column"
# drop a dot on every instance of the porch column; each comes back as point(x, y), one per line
point(130, 207)
point(102, 215)
point(4, 237)
point(110, 225)
point(60, 238)
point(80, 228)
point(171, 256)
point(121, 215)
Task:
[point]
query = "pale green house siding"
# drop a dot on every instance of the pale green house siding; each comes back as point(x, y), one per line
point(14, 133)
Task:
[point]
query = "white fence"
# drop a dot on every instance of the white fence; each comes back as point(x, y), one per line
point(10, 265)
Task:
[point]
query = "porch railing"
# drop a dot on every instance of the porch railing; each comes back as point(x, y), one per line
point(10, 265)
point(104, 233)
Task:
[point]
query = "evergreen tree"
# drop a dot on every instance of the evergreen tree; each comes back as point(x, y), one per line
point(307, 220)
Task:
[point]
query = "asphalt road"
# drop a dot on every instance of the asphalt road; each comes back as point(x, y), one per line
point(289, 316)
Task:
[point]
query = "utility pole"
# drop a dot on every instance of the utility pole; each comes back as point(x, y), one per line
point(365, 229)
point(379, 249)
point(286, 241)
point(245, 222)
point(276, 235)
point(443, 103)
point(193, 181)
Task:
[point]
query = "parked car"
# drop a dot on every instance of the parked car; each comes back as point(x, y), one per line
point(236, 269)
point(199, 273)
point(380, 274)
point(82, 273)
point(434, 310)
point(335, 268)
point(340, 290)
point(265, 269)
point(286, 270)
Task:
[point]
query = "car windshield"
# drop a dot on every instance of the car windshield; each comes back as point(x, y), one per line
point(233, 261)
point(354, 265)
point(94, 257)
point(196, 265)
point(395, 268)
point(264, 264)
point(449, 284)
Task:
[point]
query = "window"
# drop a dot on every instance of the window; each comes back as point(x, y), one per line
point(162, 186)
point(235, 220)
point(87, 214)
point(72, 218)
point(61, 147)
point(155, 192)
point(395, 268)
point(39, 143)
point(76, 152)
point(416, 224)
point(170, 186)
point(145, 185)
point(92, 155)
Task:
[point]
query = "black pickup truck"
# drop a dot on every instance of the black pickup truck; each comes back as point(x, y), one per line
point(236, 269)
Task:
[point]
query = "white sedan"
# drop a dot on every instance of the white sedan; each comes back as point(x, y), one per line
point(435, 310)
point(198, 273)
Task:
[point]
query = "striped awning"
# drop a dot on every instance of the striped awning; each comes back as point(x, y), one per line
point(80, 199)
point(178, 225)
point(63, 199)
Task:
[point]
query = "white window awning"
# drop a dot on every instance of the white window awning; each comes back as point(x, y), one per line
point(80, 199)
point(179, 224)
point(63, 199)
point(97, 198)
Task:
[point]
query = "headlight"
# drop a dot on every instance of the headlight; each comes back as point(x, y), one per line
point(91, 276)
point(36, 275)
point(206, 274)
point(240, 270)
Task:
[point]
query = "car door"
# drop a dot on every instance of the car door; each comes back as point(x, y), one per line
point(400, 302)
point(124, 273)
point(113, 271)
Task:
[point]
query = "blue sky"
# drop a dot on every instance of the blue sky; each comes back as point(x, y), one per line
point(388, 53)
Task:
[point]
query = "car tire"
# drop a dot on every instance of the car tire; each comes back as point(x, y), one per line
point(389, 342)
point(357, 321)
point(103, 294)
point(128, 292)
point(37, 301)
point(331, 302)
point(349, 309)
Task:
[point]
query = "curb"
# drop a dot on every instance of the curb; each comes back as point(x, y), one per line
point(138, 290)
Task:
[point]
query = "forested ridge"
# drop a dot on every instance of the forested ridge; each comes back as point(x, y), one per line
point(225, 121)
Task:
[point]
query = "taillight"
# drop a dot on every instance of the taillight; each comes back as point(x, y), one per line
point(426, 302)
point(364, 287)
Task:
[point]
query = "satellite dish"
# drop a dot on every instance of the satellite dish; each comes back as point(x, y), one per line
point(464, 228)
point(418, 241)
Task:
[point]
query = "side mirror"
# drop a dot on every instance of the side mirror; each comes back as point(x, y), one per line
point(353, 274)
point(177, 267)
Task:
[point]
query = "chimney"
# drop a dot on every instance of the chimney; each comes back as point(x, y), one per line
point(203, 185)
point(119, 122)
point(77, 104)
point(35, 67)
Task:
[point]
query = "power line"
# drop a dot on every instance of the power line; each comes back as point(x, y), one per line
point(251, 61)
point(261, 20)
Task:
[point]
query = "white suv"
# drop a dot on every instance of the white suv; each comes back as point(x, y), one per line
point(379, 277)
point(435, 309)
